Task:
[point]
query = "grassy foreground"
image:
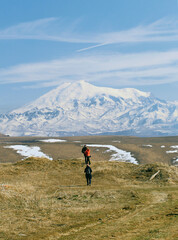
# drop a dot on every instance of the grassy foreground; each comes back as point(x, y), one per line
point(42, 199)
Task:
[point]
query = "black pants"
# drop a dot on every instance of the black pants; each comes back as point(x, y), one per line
point(88, 178)
point(87, 160)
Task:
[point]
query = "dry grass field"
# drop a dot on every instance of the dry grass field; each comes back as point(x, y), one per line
point(43, 199)
point(72, 148)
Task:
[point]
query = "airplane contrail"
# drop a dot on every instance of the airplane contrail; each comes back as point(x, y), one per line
point(95, 46)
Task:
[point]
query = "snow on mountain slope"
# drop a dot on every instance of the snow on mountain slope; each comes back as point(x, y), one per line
point(67, 93)
point(80, 108)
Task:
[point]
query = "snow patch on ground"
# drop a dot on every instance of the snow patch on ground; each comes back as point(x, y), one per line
point(176, 158)
point(162, 146)
point(120, 155)
point(27, 151)
point(147, 145)
point(53, 140)
point(173, 151)
point(175, 161)
point(176, 146)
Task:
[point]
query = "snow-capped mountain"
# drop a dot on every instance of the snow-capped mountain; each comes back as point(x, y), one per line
point(80, 108)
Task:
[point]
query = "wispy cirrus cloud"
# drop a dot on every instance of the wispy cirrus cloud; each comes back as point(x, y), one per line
point(55, 29)
point(48, 29)
point(146, 68)
point(163, 30)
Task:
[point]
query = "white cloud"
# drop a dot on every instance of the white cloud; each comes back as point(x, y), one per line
point(55, 29)
point(48, 29)
point(121, 69)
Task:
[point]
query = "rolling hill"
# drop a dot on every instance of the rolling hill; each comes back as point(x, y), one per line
point(39, 200)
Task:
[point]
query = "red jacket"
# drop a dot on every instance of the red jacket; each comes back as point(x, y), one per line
point(87, 153)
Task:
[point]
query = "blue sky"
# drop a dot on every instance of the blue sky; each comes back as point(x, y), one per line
point(112, 43)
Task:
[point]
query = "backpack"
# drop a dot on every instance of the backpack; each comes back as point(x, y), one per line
point(88, 171)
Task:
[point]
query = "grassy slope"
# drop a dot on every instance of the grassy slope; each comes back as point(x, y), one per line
point(42, 199)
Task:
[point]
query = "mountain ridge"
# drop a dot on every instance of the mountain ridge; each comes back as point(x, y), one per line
point(81, 93)
point(81, 108)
